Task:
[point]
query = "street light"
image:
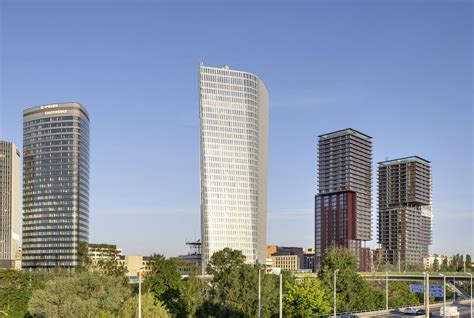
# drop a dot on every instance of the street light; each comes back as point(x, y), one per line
point(454, 294)
point(444, 295)
point(140, 292)
point(386, 290)
point(335, 276)
point(281, 295)
point(259, 291)
point(471, 291)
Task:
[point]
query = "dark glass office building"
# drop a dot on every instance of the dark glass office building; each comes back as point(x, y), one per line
point(55, 184)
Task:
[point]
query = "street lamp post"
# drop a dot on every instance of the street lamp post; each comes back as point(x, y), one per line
point(470, 274)
point(454, 294)
point(140, 292)
point(386, 290)
point(281, 295)
point(259, 293)
point(427, 294)
point(444, 295)
point(335, 277)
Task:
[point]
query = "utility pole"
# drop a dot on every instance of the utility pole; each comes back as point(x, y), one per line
point(259, 291)
point(444, 295)
point(140, 293)
point(470, 274)
point(427, 314)
point(454, 294)
point(399, 263)
point(386, 290)
point(335, 277)
point(281, 295)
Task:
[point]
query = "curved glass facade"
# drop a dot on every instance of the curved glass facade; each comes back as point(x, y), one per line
point(55, 184)
point(234, 137)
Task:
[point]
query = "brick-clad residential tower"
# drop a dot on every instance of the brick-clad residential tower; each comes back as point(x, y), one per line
point(404, 208)
point(343, 205)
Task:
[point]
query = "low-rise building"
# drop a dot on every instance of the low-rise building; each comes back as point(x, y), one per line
point(134, 264)
point(287, 262)
point(193, 259)
point(294, 259)
point(103, 251)
point(429, 261)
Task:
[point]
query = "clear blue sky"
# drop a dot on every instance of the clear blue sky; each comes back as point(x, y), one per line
point(400, 71)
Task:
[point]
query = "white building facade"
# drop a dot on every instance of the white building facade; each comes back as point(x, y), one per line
point(10, 182)
point(234, 146)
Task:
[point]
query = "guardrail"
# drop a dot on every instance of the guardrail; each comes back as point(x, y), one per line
point(379, 311)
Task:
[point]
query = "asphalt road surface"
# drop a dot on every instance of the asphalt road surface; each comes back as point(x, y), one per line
point(463, 309)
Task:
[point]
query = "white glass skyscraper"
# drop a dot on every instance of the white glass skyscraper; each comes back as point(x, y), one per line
point(234, 143)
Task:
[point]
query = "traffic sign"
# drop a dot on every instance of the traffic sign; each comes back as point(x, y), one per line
point(435, 290)
point(417, 288)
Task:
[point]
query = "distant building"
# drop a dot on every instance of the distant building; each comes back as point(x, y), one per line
point(55, 184)
point(10, 183)
point(287, 262)
point(193, 258)
point(271, 249)
point(429, 261)
point(234, 141)
point(98, 252)
point(343, 205)
point(309, 259)
point(404, 225)
point(135, 264)
point(294, 259)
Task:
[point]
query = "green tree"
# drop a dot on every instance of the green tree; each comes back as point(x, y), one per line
point(109, 265)
point(353, 292)
point(164, 281)
point(16, 288)
point(305, 299)
point(82, 295)
point(399, 293)
point(151, 308)
point(436, 265)
point(191, 295)
point(234, 291)
point(445, 265)
point(468, 262)
point(84, 262)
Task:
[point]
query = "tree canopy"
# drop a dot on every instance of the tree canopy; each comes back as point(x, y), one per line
point(82, 295)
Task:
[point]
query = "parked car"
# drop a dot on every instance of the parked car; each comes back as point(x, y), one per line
point(410, 311)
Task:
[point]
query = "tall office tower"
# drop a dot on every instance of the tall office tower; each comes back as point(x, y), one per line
point(234, 138)
point(404, 224)
point(55, 184)
point(343, 205)
point(9, 204)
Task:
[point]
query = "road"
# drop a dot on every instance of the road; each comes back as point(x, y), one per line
point(464, 311)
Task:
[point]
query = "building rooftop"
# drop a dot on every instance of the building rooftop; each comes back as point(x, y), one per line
point(405, 159)
point(345, 131)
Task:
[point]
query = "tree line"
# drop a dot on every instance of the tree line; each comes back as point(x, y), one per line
point(231, 290)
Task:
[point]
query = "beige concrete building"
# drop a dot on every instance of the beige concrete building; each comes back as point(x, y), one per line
point(10, 182)
point(429, 261)
point(287, 262)
point(135, 263)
